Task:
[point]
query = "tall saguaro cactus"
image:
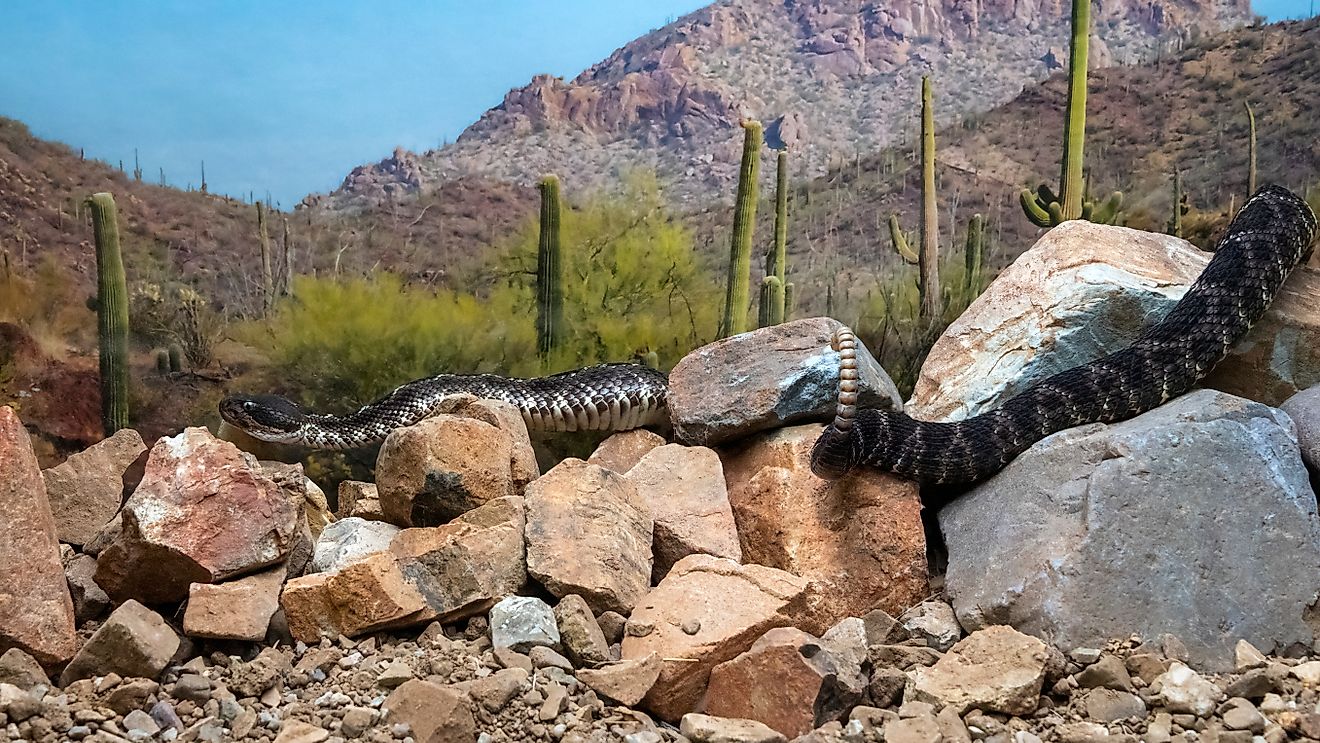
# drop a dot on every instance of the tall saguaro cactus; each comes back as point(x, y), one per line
point(1251, 149)
point(267, 274)
point(1043, 207)
point(736, 297)
point(1180, 207)
point(111, 313)
point(974, 254)
point(776, 259)
point(927, 259)
point(549, 272)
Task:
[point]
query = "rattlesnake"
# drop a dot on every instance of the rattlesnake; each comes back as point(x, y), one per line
point(607, 397)
point(1265, 241)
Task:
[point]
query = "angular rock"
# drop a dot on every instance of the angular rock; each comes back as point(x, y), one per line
point(254, 678)
point(859, 541)
point(787, 680)
point(765, 379)
point(89, 600)
point(583, 639)
point(847, 644)
point(934, 622)
point(709, 729)
point(203, 513)
point(234, 610)
point(21, 670)
point(504, 416)
point(1107, 705)
point(626, 682)
point(924, 729)
point(494, 692)
point(300, 732)
point(997, 669)
point(87, 489)
point(356, 498)
point(1183, 690)
point(133, 641)
point(364, 596)
point(1069, 543)
point(305, 495)
point(521, 623)
point(348, 540)
point(36, 611)
point(685, 491)
point(433, 713)
point(589, 533)
point(624, 449)
point(1086, 290)
point(1304, 409)
point(462, 568)
point(731, 605)
point(431, 472)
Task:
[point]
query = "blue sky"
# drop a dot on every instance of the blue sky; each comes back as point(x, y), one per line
point(286, 97)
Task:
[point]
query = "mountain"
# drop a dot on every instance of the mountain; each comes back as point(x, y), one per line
point(829, 78)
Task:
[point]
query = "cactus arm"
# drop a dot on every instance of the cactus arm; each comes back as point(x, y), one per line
point(1107, 212)
point(111, 314)
point(772, 302)
point(1035, 211)
point(900, 242)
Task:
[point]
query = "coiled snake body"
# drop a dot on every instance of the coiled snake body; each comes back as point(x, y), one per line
point(1265, 241)
point(608, 397)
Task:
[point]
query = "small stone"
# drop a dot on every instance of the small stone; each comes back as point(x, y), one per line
point(510, 658)
point(934, 622)
point(707, 729)
point(544, 657)
point(1244, 716)
point(1184, 690)
point(1108, 705)
point(133, 641)
point(1247, 657)
point(612, 623)
point(431, 713)
point(626, 682)
point(997, 669)
point(349, 540)
point(886, 686)
point(300, 732)
point(913, 730)
point(583, 639)
point(1307, 673)
point(165, 716)
point(394, 674)
point(556, 699)
point(356, 721)
point(1084, 656)
point(1106, 673)
point(1146, 666)
point(193, 688)
point(21, 670)
point(259, 675)
point(234, 610)
point(89, 600)
point(1083, 732)
point(1253, 684)
point(495, 691)
point(523, 622)
point(140, 722)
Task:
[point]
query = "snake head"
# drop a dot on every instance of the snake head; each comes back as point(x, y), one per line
point(265, 417)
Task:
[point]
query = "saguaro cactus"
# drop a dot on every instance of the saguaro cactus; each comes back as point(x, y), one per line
point(267, 277)
point(974, 254)
point(1043, 207)
point(1251, 149)
point(111, 314)
point(776, 259)
point(1180, 206)
point(740, 248)
point(772, 302)
point(928, 259)
point(549, 272)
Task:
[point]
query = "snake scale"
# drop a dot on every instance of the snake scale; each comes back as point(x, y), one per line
point(1264, 242)
point(607, 397)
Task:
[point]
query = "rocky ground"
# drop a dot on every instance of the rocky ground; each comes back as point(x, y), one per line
point(1153, 579)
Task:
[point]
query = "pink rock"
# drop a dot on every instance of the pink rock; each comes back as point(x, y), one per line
point(234, 610)
point(36, 611)
point(624, 449)
point(204, 512)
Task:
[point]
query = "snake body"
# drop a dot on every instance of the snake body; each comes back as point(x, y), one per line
point(1269, 236)
point(607, 397)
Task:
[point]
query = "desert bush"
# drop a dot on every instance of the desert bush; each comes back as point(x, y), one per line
point(43, 302)
point(176, 314)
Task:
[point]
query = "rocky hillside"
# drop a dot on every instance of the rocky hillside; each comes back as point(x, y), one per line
point(822, 74)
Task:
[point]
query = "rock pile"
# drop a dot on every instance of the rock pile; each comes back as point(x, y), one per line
point(705, 590)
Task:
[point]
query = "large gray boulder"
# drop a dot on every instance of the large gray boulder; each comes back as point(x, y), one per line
point(764, 379)
point(1195, 519)
point(1304, 409)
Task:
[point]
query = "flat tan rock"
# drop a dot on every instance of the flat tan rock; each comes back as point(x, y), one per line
point(434, 713)
point(87, 489)
point(997, 669)
point(707, 610)
point(36, 611)
point(626, 682)
point(859, 540)
point(685, 491)
point(234, 610)
point(589, 533)
point(365, 596)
